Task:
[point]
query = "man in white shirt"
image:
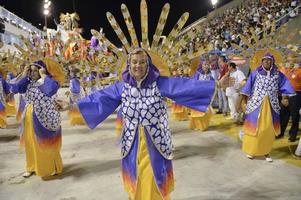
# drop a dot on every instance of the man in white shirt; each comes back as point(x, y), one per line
point(238, 78)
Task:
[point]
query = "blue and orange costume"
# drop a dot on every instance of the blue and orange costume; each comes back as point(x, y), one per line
point(146, 144)
point(4, 91)
point(262, 121)
point(41, 123)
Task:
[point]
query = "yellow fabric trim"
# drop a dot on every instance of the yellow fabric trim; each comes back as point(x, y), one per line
point(43, 163)
point(3, 123)
point(179, 113)
point(75, 117)
point(10, 109)
point(262, 143)
point(146, 186)
point(200, 120)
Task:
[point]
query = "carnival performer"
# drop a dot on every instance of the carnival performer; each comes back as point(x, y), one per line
point(41, 123)
point(262, 113)
point(92, 78)
point(146, 144)
point(200, 120)
point(22, 102)
point(4, 92)
point(11, 103)
point(75, 94)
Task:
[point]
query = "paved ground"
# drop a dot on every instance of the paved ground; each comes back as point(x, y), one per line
point(207, 165)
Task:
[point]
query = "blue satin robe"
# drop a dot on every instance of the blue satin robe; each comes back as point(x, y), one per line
point(192, 93)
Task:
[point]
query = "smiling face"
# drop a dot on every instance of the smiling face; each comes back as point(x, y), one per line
point(206, 68)
point(34, 73)
point(138, 65)
point(267, 63)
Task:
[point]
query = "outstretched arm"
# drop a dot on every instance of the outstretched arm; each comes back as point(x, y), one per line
point(188, 92)
point(19, 84)
point(97, 106)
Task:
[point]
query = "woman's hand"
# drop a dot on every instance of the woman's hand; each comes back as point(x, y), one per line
point(26, 70)
point(42, 73)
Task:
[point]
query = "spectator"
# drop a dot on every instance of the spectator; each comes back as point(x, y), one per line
point(232, 92)
point(222, 99)
point(294, 76)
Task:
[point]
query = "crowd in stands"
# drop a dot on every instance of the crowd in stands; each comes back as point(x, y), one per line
point(220, 31)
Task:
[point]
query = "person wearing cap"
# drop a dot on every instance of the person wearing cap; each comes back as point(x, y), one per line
point(292, 110)
point(146, 144)
point(200, 120)
point(262, 121)
point(41, 123)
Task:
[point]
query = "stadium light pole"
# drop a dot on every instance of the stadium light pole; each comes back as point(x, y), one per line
point(214, 2)
point(46, 11)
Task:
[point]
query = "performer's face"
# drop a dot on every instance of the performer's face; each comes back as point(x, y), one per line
point(34, 73)
point(206, 68)
point(267, 63)
point(138, 65)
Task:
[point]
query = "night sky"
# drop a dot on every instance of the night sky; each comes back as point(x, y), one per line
point(93, 13)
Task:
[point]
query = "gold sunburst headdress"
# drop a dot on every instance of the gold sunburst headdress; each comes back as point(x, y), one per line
point(273, 41)
point(29, 54)
point(163, 53)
